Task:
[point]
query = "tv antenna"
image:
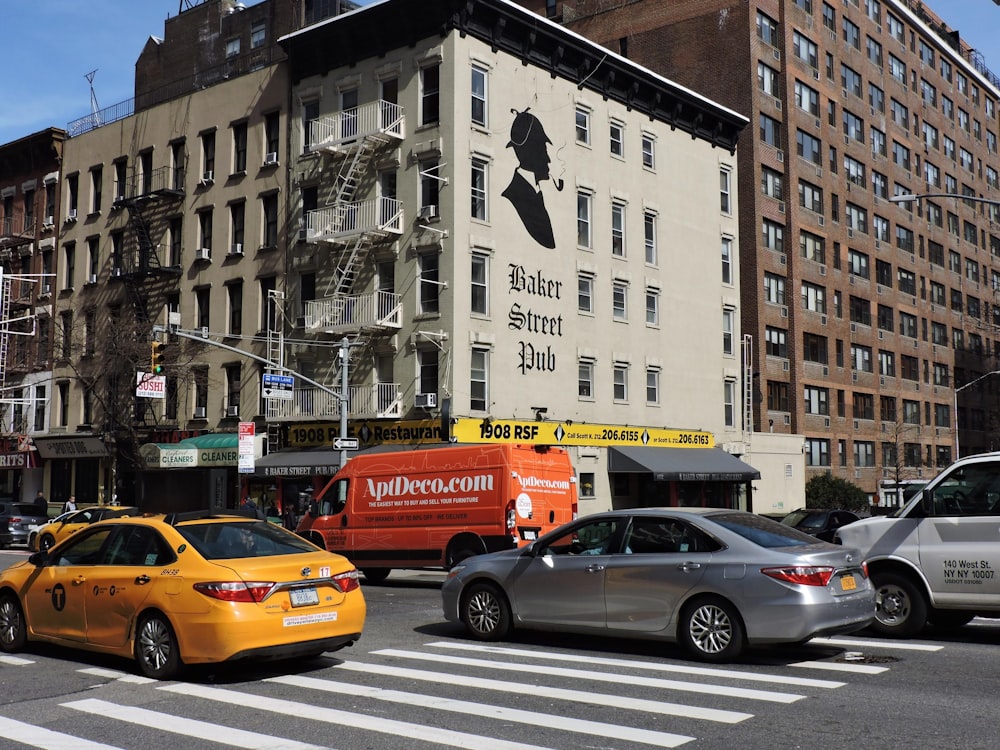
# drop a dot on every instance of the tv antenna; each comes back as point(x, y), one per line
point(94, 107)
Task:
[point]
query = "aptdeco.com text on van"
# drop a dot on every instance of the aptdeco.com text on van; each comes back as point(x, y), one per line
point(427, 491)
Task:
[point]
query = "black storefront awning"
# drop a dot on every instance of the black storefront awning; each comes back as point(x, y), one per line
point(681, 464)
point(298, 463)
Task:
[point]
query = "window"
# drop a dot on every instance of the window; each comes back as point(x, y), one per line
point(620, 381)
point(777, 396)
point(258, 35)
point(770, 131)
point(480, 284)
point(237, 221)
point(864, 453)
point(805, 49)
point(232, 47)
point(429, 183)
point(728, 328)
point(267, 302)
point(887, 363)
point(652, 306)
point(767, 80)
point(909, 368)
point(908, 325)
point(583, 125)
point(817, 452)
point(816, 400)
point(585, 379)
point(813, 297)
point(429, 289)
point(773, 235)
point(727, 260)
point(874, 51)
point(725, 191)
point(649, 231)
point(812, 247)
point(310, 113)
point(618, 229)
point(96, 189)
point(861, 358)
point(427, 370)
point(203, 299)
point(767, 29)
point(860, 310)
point(272, 133)
point(850, 80)
point(775, 341)
point(479, 94)
point(774, 288)
point(583, 212)
point(205, 229)
point(239, 147)
point(771, 183)
point(585, 292)
point(648, 151)
point(208, 155)
point(617, 138)
point(858, 264)
point(807, 98)
point(729, 402)
point(430, 94)
point(619, 300)
point(479, 189)
point(652, 385)
point(235, 293)
point(852, 34)
point(479, 380)
point(810, 196)
point(887, 408)
point(269, 205)
point(808, 147)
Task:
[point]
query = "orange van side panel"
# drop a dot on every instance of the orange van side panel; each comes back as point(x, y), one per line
point(405, 508)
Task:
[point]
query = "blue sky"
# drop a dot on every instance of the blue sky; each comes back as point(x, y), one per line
point(50, 45)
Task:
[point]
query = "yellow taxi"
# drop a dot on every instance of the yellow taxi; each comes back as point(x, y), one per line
point(65, 524)
point(184, 588)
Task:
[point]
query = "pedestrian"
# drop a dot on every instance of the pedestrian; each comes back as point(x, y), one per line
point(41, 503)
point(70, 504)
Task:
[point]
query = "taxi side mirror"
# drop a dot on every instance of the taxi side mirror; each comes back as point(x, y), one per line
point(39, 559)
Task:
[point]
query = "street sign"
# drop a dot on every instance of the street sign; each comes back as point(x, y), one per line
point(278, 387)
point(345, 444)
point(245, 463)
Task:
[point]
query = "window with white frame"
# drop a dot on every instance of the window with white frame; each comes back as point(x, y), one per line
point(479, 189)
point(729, 402)
point(480, 79)
point(585, 292)
point(728, 331)
point(479, 379)
point(584, 201)
point(583, 125)
point(726, 191)
point(774, 288)
point(652, 385)
point(619, 300)
point(585, 379)
point(652, 306)
point(648, 151)
point(429, 288)
point(649, 231)
point(620, 381)
point(258, 35)
point(430, 94)
point(618, 229)
point(727, 260)
point(617, 138)
point(480, 286)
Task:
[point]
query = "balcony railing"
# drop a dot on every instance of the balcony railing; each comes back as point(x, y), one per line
point(378, 401)
point(375, 311)
point(344, 221)
point(379, 119)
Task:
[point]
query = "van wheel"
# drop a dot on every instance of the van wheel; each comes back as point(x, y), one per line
point(710, 629)
point(900, 606)
point(376, 575)
point(486, 612)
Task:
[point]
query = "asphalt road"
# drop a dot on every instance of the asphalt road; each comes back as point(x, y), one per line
point(416, 682)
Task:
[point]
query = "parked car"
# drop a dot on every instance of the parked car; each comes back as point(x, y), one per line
point(33, 529)
point(822, 523)
point(714, 580)
point(20, 518)
point(6, 511)
point(183, 589)
point(72, 521)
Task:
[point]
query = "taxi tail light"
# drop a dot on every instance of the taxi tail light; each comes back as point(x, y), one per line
point(347, 581)
point(808, 575)
point(235, 591)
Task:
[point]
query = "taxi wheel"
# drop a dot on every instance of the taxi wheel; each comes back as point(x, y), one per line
point(46, 543)
point(156, 650)
point(486, 612)
point(13, 631)
point(710, 629)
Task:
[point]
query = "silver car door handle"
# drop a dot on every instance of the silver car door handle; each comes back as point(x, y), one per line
point(689, 566)
point(594, 568)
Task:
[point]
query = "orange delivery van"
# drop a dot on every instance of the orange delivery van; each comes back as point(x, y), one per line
point(433, 507)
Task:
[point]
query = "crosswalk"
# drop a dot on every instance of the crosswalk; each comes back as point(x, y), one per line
point(444, 693)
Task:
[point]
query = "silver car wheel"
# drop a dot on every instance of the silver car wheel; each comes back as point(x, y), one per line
point(711, 629)
point(485, 612)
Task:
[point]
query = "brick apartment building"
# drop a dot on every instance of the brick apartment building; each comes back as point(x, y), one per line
point(873, 319)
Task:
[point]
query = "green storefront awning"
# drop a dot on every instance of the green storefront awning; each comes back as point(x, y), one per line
point(215, 450)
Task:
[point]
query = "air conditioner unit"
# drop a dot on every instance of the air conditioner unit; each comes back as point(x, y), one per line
point(428, 212)
point(46, 289)
point(784, 311)
point(850, 233)
point(236, 249)
point(784, 365)
point(203, 253)
point(204, 332)
point(50, 221)
point(270, 158)
point(199, 412)
point(92, 279)
point(425, 400)
point(207, 178)
point(71, 216)
point(232, 411)
point(781, 207)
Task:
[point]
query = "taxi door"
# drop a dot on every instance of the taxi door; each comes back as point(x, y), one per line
point(117, 589)
point(563, 584)
point(56, 600)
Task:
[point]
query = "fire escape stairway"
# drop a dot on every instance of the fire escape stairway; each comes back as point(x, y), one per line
point(5, 292)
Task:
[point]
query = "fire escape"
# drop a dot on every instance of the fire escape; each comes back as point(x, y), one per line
point(352, 226)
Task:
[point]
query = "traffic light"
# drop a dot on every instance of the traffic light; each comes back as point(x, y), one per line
point(156, 357)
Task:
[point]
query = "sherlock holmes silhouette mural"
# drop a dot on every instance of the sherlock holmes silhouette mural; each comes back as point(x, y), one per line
point(530, 145)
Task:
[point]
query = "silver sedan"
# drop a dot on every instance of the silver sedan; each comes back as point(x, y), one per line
point(714, 580)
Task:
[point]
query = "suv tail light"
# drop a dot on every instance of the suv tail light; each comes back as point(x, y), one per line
point(347, 581)
point(235, 591)
point(808, 575)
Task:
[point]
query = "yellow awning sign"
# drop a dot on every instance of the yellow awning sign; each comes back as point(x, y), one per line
point(465, 430)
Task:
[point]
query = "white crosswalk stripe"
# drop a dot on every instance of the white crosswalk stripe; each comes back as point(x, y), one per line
point(46, 739)
point(15, 661)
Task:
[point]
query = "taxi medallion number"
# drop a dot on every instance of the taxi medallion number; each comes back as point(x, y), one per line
point(303, 597)
point(847, 583)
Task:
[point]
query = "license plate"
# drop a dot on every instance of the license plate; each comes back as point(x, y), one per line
point(303, 597)
point(847, 583)
point(530, 536)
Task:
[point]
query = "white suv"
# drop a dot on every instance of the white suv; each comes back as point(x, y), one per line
point(937, 559)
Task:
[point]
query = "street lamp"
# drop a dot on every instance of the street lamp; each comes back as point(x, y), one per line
point(907, 197)
point(962, 388)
